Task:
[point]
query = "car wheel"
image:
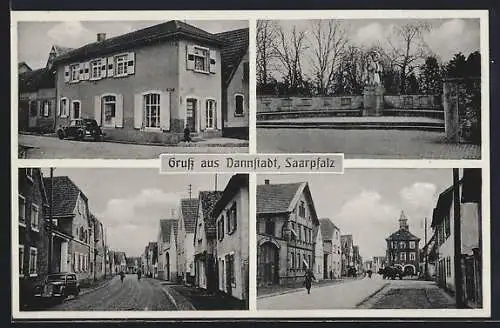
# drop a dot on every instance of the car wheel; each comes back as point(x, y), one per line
point(60, 134)
point(97, 137)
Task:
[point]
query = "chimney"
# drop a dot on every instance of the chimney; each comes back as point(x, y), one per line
point(101, 37)
point(266, 181)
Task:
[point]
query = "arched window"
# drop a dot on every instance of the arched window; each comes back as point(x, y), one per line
point(152, 110)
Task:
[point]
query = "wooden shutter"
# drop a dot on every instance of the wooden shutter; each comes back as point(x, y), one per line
point(202, 111)
point(119, 111)
point(66, 73)
point(190, 60)
point(213, 61)
point(138, 111)
point(104, 68)
point(111, 66)
point(165, 111)
point(97, 109)
point(131, 63)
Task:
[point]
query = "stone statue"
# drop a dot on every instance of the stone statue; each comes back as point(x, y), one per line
point(373, 70)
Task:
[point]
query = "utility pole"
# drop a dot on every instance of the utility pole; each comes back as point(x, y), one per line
point(50, 219)
point(105, 250)
point(190, 189)
point(216, 182)
point(457, 240)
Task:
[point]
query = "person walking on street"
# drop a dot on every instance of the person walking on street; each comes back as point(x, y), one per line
point(308, 278)
point(122, 276)
point(139, 273)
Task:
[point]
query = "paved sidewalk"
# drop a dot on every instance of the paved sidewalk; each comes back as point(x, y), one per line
point(97, 285)
point(345, 295)
point(204, 300)
point(351, 119)
point(274, 290)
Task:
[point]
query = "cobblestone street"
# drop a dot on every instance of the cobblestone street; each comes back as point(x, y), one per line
point(369, 144)
point(410, 294)
point(144, 295)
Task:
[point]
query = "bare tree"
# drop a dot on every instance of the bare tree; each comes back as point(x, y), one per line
point(289, 51)
point(408, 48)
point(266, 43)
point(328, 44)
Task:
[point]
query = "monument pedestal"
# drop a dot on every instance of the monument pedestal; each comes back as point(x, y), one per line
point(373, 100)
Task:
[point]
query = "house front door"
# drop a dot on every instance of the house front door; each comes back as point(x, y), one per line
point(191, 110)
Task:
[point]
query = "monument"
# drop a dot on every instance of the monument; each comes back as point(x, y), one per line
point(373, 93)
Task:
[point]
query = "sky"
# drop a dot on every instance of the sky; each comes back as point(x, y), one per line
point(446, 37)
point(130, 202)
point(367, 202)
point(35, 39)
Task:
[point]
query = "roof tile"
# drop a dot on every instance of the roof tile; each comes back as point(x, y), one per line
point(189, 208)
point(275, 198)
point(64, 197)
point(233, 53)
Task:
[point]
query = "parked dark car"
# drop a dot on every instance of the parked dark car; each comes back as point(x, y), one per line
point(391, 272)
point(80, 129)
point(58, 286)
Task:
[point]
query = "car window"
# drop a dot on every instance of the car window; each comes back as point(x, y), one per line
point(71, 277)
point(56, 277)
point(72, 123)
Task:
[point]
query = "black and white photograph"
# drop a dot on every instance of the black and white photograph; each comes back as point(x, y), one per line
point(370, 239)
point(140, 242)
point(132, 89)
point(370, 88)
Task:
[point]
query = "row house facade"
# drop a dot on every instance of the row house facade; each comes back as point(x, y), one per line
point(37, 100)
point(150, 261)
point(167, 250)
point(205, 242)
point(99, 265)
point(319, 253)
point(185, 242)
point(33, 237)
point(358, 260)
point(347, 253)
point(235, 83)
point(442, 255)
point(403, 248)
point(332, 252)
point(231, 213)
point(286, 220)
point(147, 85)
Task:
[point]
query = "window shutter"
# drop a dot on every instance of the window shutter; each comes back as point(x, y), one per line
point(165, 111)
point(111, 66)
point(138, 112)
point(66, 73)
point(104, 69)
point(119, 111)
point(217, 116)
point(81, 71)
point(131, 63)
point(213, 61)
point(190, 57)
point(86, 73)
point(203, 115)
point(97, 109)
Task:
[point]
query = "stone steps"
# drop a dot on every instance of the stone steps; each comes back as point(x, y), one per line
point(375, 125)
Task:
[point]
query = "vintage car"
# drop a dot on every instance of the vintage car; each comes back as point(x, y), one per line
point(80, 129)
point(391, 272)
point(58, 286)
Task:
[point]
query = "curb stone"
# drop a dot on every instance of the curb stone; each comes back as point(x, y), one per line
point(181, 304)
point(378, 290)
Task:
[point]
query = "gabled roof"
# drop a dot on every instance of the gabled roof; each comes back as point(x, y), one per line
point(189, 210)
point(402, 234)
point(233, 53)
point(65, 195)
point(155, 33)
point(60, 50)
point(327, 228)
point(282, 198)
point(276, 198)
point(166, 227)
point(31, 81)
point(207, 201)
point(443, 206)
point(21, 64)
point(236, 182)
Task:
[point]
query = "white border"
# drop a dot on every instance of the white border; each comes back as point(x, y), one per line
point(252, 16)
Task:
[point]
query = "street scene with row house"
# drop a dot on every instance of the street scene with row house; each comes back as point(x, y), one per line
point(399, 88)
point(365, 240)
point(128, 85)
point(197, 256)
